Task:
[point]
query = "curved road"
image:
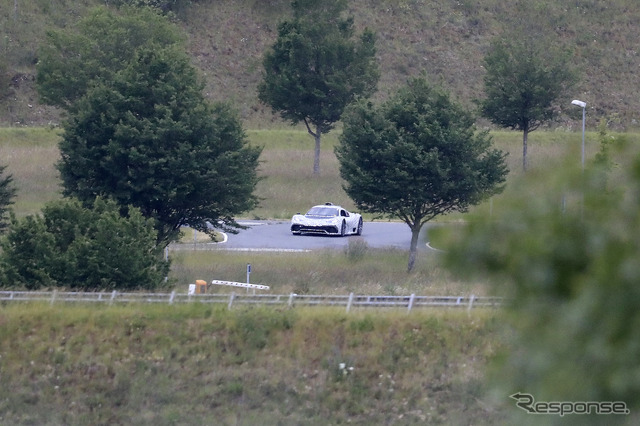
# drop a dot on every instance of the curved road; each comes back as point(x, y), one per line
point(275, 235)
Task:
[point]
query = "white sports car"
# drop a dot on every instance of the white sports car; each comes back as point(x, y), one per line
point(327, 219)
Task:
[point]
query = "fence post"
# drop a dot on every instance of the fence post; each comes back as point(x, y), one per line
point(233, 296)
point(363, 300)
point(413, 296)
point(349, 302)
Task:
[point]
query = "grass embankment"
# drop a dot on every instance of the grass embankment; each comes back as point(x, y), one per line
point(199, 364)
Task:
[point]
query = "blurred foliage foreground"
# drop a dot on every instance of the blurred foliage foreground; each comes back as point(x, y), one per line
point(568, 261)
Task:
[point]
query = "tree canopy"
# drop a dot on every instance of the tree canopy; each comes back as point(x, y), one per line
point(139, 129)
point(416, 157)
point(524, 78)
point(317, 66)
point(148, 138)
point(71, 61)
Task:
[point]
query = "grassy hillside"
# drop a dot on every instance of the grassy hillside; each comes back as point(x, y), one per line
point(444, 39)
point(196, 365)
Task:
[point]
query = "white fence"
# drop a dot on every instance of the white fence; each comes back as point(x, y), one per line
point(282, 300)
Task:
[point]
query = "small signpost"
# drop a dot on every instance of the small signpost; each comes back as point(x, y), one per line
point(235, 284)
point(200, 285)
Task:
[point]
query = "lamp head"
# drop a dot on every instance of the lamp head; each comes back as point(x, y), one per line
point(579, 103)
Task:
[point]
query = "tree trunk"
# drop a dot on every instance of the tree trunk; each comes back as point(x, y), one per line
point(415, 233)
point(316, 158)
point(317, 135)
point(525, 135)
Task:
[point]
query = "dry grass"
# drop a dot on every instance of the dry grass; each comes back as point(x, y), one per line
point(446, 40)
point(30, 155)
point(292, 170)
point(325, 272)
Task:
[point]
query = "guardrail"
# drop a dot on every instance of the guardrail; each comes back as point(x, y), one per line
point(283, 300)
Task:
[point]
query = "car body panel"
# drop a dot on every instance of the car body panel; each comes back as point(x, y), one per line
point(327, 219)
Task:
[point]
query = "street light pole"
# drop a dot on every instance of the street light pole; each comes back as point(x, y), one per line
point(583, 105)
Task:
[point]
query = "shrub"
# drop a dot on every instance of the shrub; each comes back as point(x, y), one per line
point(79, 248)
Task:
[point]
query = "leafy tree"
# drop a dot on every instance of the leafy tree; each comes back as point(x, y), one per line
point(148, 138)
point(571, 281)
point(316, 67)
point(524, 78)
point(163, 5)
point(7, 193)
point(416, 157)
point(70, 62)
point(86, 249)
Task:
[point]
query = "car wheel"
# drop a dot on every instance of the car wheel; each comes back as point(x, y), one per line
point(343, 228)
point(359, 231)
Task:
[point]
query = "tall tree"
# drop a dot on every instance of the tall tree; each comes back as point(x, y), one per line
point(70, 62)
point(148, 138)
point(416, 157)
point(317, 66)
point(524, 77)
point(7, 194)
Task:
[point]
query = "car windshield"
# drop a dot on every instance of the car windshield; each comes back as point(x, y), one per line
point(322, 211)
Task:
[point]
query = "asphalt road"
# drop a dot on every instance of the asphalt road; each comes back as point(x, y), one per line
point(275, 235)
